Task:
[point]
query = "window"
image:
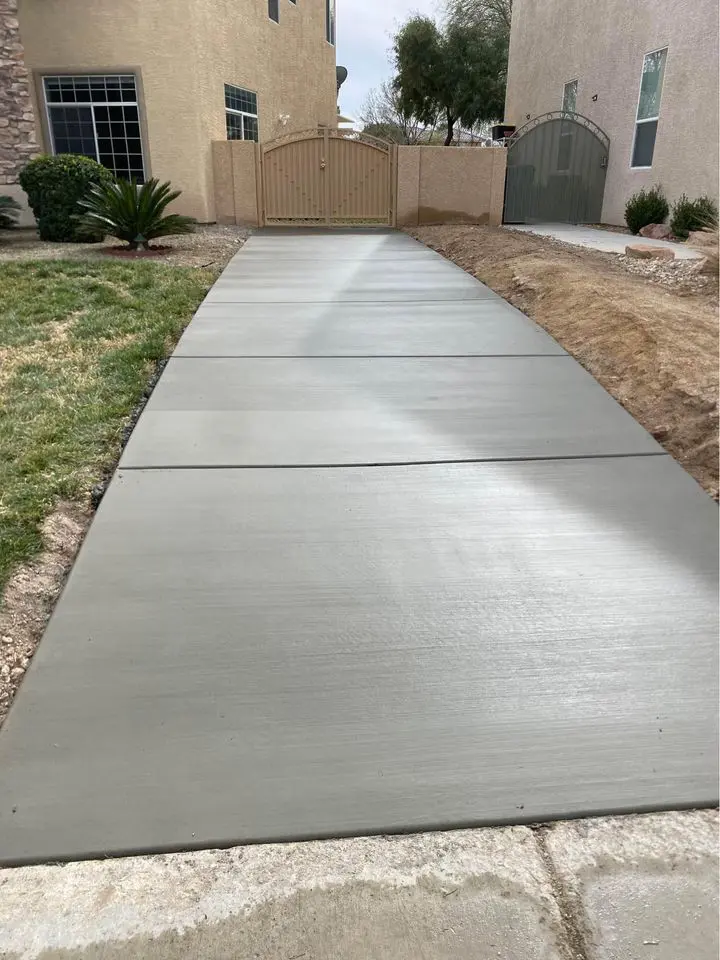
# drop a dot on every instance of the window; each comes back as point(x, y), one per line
point(97, 116)
point(648, 111)
point(570, 97)
point(241, 116)
point(330, 21)
point(274, 10)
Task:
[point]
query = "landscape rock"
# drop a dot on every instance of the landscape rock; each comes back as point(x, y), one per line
point(643, 251)
point(703, 238)
point(656, 231)
point(706, 243)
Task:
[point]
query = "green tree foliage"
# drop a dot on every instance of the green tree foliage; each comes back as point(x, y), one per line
point(457, 72)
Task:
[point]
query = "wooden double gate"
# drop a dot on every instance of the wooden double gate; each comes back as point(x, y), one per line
point(326, 176)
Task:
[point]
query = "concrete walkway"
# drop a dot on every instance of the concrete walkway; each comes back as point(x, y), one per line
point(379, 557)
point(606, 241)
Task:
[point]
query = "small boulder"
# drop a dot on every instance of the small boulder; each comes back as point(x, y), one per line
point(656, 231)
point(702, 238)
point(643, 251)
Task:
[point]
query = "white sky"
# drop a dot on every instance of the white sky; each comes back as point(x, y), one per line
point(364, 38)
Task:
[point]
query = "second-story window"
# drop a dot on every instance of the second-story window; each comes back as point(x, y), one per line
point(570, 97)
point(274, 10)
point(648, 111)
point(241, 113)
point(330, 21)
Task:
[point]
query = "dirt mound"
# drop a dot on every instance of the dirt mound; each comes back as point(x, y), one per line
point(655, 349)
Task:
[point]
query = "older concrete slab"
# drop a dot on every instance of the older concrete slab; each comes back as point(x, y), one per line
point(249, 655)
point(607, 241)
point(463, 328)
point(463, 895)
point(319, 411)
point(642, 887)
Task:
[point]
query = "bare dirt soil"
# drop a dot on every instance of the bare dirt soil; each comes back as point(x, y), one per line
point(650, 340)
point(31, 592)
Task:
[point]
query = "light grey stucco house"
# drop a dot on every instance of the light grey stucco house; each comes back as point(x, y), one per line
point(644, 71)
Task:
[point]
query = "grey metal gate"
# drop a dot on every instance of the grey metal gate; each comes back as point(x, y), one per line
point(556, 168)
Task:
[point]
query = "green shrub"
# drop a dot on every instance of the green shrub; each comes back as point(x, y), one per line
point(690, 215)
point(133, 213)
point(9, 210)
point(54, 186)
point(645, 207)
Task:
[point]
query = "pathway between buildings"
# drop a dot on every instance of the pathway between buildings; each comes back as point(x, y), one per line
point(379, 557)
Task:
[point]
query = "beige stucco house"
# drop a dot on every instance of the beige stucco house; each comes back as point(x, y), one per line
point(645, 71)
point(145, 86)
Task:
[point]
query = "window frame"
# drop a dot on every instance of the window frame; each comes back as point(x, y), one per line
point(330, 22)
point(242, 113)
point(565, 86)
point(115, 73)
point(655, 119)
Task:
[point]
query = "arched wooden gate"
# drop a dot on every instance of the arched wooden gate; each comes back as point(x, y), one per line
point(326, 176)
point(556, 168)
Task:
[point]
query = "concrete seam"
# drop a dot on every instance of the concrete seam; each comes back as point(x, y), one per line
point(576, 936)
point(382, 463)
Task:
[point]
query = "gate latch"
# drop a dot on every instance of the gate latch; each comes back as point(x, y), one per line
point(604, 162)
point(322, 164)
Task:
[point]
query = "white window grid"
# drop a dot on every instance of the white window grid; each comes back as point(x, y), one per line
point(120, 82)
point(248, 118)
point(249, 130)
point(656, 118)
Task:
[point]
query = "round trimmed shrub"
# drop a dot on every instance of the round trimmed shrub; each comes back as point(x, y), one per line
point(54, 186)
point(691, 215)
point(646, 207)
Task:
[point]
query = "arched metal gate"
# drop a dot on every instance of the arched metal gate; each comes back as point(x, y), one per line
point(325, 176)
point(556, 167)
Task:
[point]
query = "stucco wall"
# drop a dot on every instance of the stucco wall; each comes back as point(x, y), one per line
point(182, 55)
point(450, 185)
point(602, 45)
point(434, 184)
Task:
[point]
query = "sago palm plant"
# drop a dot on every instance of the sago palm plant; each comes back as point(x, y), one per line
point(9, 211)
point(134, 213)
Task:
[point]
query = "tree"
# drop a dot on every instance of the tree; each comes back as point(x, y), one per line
point(493, 14)
point(383, 116)
point(458, 72)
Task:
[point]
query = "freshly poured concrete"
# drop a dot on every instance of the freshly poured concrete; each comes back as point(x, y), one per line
point(245, 655)
point(309, 411)
point(414, 279)
point(259, 653)
point(460, 328)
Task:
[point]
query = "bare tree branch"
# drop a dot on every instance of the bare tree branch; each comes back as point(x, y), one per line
point(468, 13)
point(383, 115)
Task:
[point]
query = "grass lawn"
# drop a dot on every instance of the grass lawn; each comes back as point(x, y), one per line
point(78, 343)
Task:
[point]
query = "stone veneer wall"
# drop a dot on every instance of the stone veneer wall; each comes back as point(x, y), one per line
point(17, 127)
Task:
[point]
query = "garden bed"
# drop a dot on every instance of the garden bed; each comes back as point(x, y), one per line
point(651, 341)
point(210, 245)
